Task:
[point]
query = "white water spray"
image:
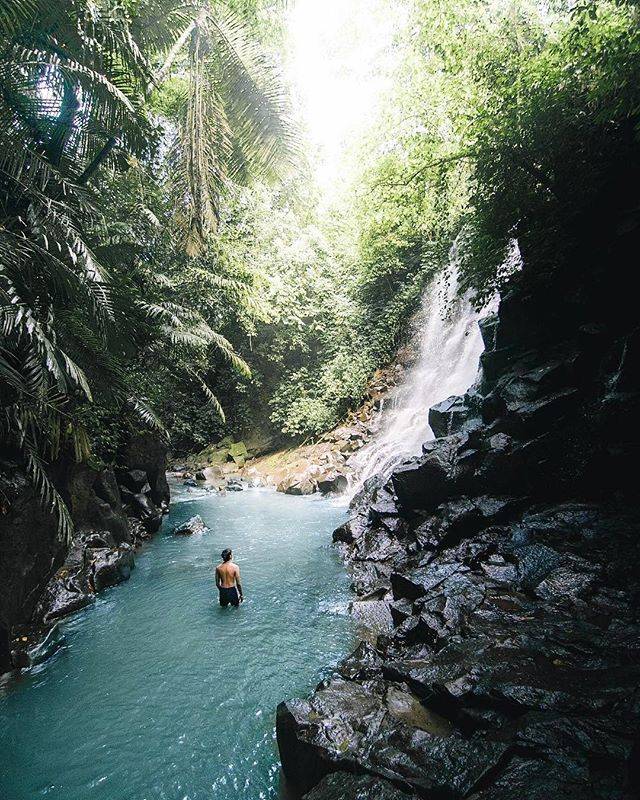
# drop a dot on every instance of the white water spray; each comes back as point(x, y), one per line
point(448, 339)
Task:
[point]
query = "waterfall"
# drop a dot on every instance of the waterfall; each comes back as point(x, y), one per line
point(448, 341)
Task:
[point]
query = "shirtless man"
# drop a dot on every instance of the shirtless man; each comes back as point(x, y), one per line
point(228, 581)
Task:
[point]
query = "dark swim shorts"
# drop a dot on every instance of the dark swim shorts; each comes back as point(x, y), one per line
point(229, 596)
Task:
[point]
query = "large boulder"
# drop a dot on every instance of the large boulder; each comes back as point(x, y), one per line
point(111, 566)
point(147, 452)
point(427, 481)
point(133, 479)
point(142, 506)
point(93, 562)
point(191, 526)
point(453, 414)
point(238, 453)
point(30, 552)
point(380, 728)
point(297, 485)
point(349, 531)
point(70, 589)
point(94, 499)
point(333, 483)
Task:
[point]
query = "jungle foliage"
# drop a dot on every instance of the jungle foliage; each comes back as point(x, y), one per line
point(507, 121)
point(85, 305)
point(165, 259)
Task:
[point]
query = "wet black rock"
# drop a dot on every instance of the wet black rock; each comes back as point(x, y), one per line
point(6, 661)
point(381, 728)
point(191, 526)
point(143, 508)
point(110, 566)
point(507, 555)
point(332, 484)
point(93, 498)
point(62, 596)
point(133, 479)
point(42, 577)
point(33, 644)
point(30, 551)
point(343, 786)
point(148, 453)
point(455, 414)
point(426, 482)
point(93, 563)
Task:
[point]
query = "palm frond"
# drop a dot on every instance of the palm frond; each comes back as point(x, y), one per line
point(229, 354)
point(210, 397)
point(147, 414)
point(255, 101)
point(235, 124)
point(14, 14)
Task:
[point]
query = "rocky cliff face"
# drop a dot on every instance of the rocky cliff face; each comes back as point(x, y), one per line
point(507, 556)
point(42, 578)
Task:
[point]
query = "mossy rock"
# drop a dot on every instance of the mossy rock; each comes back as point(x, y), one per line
point(238, 449)
point(239, 460)
point(225, 442)
point(218, 457)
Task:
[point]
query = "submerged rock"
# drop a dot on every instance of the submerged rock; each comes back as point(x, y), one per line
point(191, 526)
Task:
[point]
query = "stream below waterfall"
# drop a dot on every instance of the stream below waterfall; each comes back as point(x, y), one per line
point(158, 693)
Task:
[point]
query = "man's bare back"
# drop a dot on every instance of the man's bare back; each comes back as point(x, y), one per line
point(228, 581)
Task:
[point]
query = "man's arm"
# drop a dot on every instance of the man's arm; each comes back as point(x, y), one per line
point(217, 578)
point(238, 585)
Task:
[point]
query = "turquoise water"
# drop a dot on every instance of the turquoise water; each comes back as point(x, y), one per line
point(158, 693)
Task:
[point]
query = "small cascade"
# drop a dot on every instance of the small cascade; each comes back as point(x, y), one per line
point(447, 337)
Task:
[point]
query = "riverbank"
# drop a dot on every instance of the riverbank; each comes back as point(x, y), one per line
point(325, 466)
point(506, 555)
point(46, 574)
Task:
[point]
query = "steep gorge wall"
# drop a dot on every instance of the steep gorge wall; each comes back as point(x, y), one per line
point(42, 578)
point(506, 558)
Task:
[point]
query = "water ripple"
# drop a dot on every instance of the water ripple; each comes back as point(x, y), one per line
point(158, 693)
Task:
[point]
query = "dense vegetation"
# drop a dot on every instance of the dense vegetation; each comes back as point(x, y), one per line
point(111, 168)
point(504, 122)
point(164, 257)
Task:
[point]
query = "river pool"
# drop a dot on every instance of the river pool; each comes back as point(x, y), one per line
point(158, 693)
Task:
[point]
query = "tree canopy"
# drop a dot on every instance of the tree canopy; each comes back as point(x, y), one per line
point(166, 258)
